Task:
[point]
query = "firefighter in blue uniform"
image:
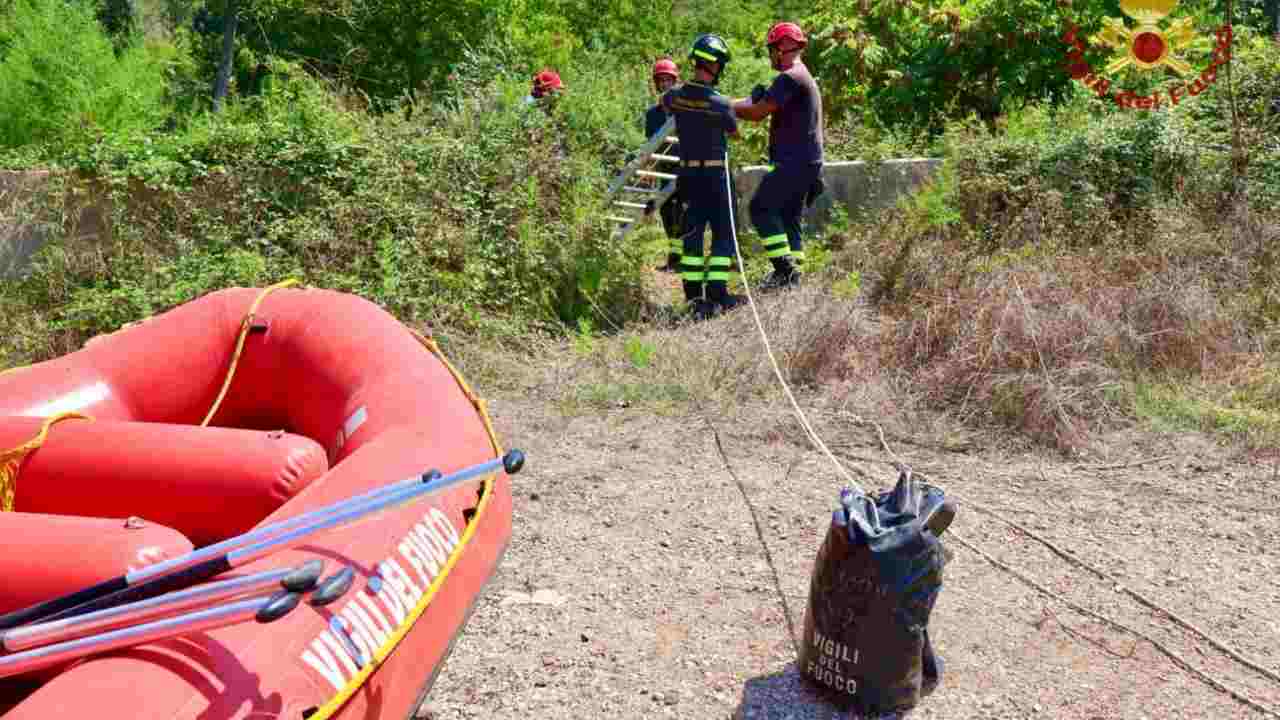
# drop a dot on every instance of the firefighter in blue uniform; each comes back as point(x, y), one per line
point(704, 122)
point(793, 105)
point(665, 76)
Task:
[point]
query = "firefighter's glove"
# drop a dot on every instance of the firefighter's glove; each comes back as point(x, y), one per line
point(757, 93)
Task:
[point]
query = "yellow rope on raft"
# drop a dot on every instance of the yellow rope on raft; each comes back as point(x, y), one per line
point(244, 333)
point(11, 459)
point(478, 403)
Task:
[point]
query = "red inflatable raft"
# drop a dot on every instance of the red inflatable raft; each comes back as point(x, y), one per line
point(241, 409)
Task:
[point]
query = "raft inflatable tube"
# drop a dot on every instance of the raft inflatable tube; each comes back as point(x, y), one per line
point(240, 409)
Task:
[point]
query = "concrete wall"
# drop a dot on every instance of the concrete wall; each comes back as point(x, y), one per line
point(31, 212)
point(19, 234)
point(857, 185)
point(27, 220)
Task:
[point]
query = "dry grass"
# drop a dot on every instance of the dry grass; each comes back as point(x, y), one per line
point(1041, 349)
point(1049, 349)
point(717, 366)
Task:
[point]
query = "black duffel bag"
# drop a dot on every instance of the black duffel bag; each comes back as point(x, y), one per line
point(874, 584)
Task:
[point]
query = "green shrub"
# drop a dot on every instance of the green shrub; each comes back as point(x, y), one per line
point(61, 82)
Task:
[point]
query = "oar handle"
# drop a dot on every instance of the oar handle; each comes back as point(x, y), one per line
point(61, 604)
point(134, 593)
point(261, 609)
point(302, 578)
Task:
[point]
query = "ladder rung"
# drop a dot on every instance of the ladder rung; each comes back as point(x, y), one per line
point(615, 218)
point(650, 173)
point(621, 203)
point(672, 139)
point(665, 158)
point(651, 191)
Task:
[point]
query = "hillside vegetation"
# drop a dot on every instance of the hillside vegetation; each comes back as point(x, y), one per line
point(1075, 267)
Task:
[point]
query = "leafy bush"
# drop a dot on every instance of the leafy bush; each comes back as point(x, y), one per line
point(61, 82)
point(472, 214)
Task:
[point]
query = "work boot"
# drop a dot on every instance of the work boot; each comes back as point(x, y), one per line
point(785, 275)
point(718, 293)
point(780, 280)
point(700, 310)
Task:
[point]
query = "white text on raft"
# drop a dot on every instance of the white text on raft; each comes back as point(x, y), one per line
point(382, 606)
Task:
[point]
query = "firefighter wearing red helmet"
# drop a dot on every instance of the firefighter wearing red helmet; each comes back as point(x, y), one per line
point(665, 76)
point(546, 83)
point(793, 105)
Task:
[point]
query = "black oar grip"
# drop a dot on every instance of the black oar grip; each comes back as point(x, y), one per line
point(304, 577)
point(333, 587)
point(278, 606)
point(513, 461)
point(159, 586)
point(41, 610)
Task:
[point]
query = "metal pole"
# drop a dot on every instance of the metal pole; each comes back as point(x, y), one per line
point(265, 609)
point(299, 579)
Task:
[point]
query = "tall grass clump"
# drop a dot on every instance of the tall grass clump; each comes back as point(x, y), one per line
point(62, 81)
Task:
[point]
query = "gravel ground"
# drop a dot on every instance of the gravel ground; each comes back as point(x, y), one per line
point(636, 585)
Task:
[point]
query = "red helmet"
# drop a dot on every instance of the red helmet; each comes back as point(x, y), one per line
point(667, 67)
point(545, 81)
point(785, 30)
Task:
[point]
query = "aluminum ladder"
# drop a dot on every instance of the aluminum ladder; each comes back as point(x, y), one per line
point(639, 182)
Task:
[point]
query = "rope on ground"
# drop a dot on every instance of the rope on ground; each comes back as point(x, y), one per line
point(245, 325)
point(755, 519)
point(1164, 649)
point(1139, 597)
point(777, 370)
point(1150, 604)
point(11, 459)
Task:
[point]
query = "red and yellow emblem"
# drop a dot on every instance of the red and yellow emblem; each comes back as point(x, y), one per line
point(1147, 46)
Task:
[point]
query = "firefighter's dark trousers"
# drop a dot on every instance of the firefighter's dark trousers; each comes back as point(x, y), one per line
point(776, 209)
point(707, 203)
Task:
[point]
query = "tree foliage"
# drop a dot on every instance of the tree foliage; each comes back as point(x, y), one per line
point(61, 79)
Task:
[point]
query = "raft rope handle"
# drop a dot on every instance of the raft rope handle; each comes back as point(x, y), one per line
point(245, 325)
point(742, 270)
point(11, 459)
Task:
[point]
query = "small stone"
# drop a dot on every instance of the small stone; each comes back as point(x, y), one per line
point(584, 637)
point(547, 597)
point(671, 698)
point(534, 496)
point(664, 543)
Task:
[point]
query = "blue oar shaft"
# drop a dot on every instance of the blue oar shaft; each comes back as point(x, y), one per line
point(206, 619)
point(164, 567)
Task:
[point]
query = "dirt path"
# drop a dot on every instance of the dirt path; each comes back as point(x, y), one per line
point(636, 585)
